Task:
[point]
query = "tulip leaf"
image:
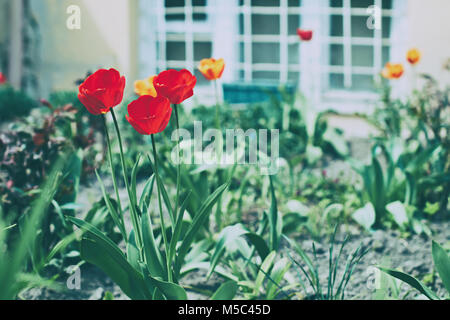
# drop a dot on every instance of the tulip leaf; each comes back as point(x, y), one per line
point(227, 291)
point(413, 282)
point(442, 264)
point(99, 250)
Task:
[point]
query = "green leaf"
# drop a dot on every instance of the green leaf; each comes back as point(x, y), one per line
point(227, 291)
point(263, 271)
point(132, 251)
point(152, 255)
point(197, 223)
point(144, 201)
point(226, 237)
point(277, 274)
point(365, 216)
point(99, 250)
point(275, 220)
point(413, 282)
point(442, 263)
point(133, 179)
point(115, 216)
point(398, 211)
point(259, 243)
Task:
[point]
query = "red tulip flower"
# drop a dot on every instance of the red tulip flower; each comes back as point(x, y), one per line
point(176, 86)
point(149, 115)
point(102, 91)
point(2, 79)
point(305, 35)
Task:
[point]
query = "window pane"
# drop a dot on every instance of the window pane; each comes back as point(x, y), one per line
point(241, 52)
point(386, 27)
point(336, 26)
point(336, 3)
point(199, 3)
point(336, 81)
point(201, 80)
point(176, 50)
point(293, 53)
point(241, 23)
point(174, 3)
point(386, 54)
point(362, 56)
point(266, 52)
point(202, 50)
point(266, 3)
point(336, 55)
point(362, 3)
point(293, 76)
point(387, 4)
point(293, 23)
point(175, 17)
point(362, 82)
point(266, 75)
point(359, 27)
point(294, 3)
point(265, 24)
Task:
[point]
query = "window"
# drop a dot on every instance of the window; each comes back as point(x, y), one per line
point(268, 43)
point(356, 53)
point(183, 36)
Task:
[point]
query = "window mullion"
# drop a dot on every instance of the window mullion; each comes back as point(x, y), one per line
point(284, 50)
point(189, 35)
point(347, 17)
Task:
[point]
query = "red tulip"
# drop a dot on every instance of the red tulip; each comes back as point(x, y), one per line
point(305, 35)
point(176, 86)
point(102, 91)
point(2, 79)
point(149, 115)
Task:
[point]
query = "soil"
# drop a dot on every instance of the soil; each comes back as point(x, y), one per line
point(387, 248)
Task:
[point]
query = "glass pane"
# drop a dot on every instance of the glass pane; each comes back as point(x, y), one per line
point(199, 3)
point(202, 50)
point(386, 54)
point(336, 81)
point(336, 3)
point(359, 27)
point(294, 3)
point(387, 4)
point(241, 23)
point(362, 82)
point(293, 76)
point(266, 75)
point(386, 27)
point(174, 3)
point(176, 50)
point(199, 16)
point(293, 53)
point(175, 17)
point(336, 55)
point(293, 23)
point(266, 52)
point(362, 56)
point(266, 3)
point(265, 24)
point(362, 3)
point(201, 80)
point(336, 26)
point(241, 52)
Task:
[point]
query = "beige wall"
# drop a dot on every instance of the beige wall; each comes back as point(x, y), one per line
point(103, 41)
point(429, 30)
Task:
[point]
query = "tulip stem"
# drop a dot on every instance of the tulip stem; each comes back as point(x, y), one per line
point(163, 225)
point(177, 199)
point(134, 216)
point(216, 90)
point(113, 175)
point(218, 215)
